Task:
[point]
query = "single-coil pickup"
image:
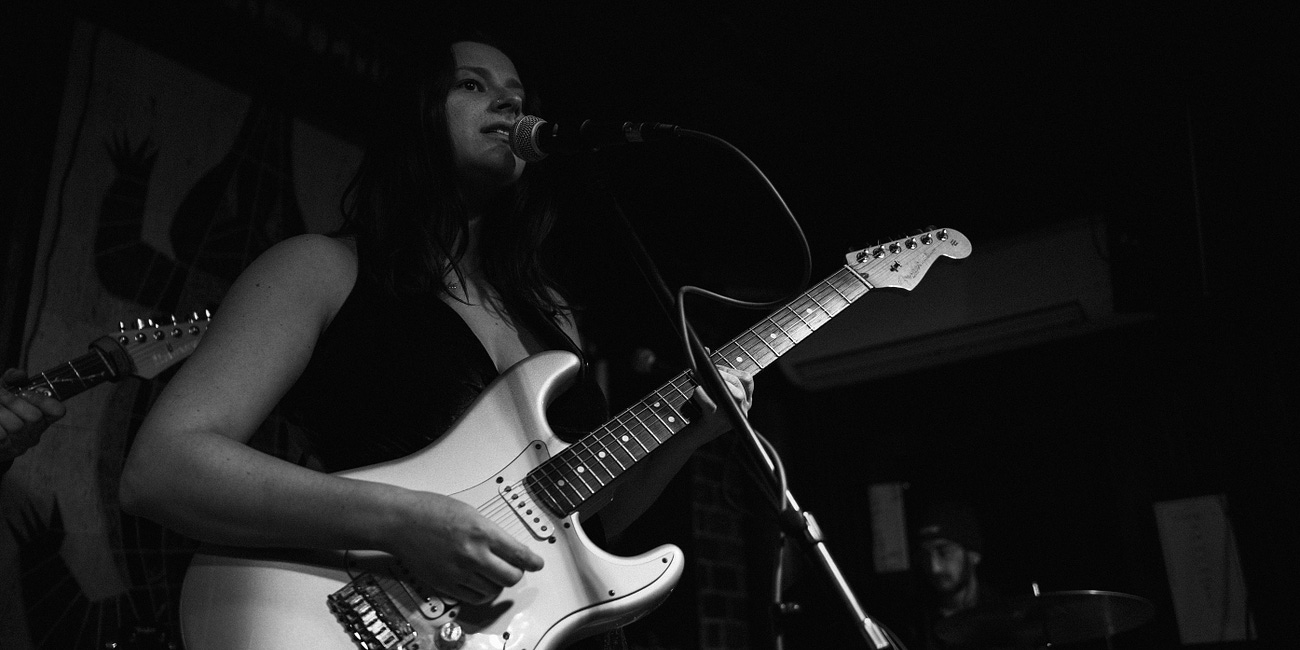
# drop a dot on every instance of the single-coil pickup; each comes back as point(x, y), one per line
point(534, 516)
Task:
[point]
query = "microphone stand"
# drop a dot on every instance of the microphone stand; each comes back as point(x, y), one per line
point(795, 522)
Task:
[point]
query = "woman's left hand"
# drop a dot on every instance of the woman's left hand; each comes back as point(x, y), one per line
point(714, 421)
point(23, 420)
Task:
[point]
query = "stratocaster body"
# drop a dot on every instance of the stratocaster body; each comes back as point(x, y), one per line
point(272, 600)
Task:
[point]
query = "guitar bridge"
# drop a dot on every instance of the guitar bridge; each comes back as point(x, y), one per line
point(369, 615)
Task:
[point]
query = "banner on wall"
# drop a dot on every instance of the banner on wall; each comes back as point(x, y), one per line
point(165, 185)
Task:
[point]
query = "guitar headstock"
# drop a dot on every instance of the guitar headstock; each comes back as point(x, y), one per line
point(154, 347)
point(903, 262)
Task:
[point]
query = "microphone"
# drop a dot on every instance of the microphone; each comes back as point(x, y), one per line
point(533, 138)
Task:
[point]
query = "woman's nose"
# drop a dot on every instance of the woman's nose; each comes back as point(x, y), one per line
point(509, 102)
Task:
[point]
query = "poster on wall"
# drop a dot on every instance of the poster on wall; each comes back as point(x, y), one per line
point(1204, 569)
point(165, 185)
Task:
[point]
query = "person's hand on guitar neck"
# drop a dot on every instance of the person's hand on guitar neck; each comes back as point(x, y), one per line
point(639, 487)
point(715, 420)
point(22, 420)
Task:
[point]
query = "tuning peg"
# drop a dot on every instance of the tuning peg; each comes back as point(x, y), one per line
point(139, 324)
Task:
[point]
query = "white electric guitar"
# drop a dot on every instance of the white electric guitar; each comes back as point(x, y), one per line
point(502, 458)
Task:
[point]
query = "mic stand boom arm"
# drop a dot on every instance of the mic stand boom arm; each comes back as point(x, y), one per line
point(798, 524)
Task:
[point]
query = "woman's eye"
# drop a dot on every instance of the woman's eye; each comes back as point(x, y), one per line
point(470, 84)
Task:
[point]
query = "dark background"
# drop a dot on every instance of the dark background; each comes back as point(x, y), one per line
point(1170, 124)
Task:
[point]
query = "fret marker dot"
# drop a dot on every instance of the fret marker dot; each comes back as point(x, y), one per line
point(581, 469)
point(600, 455)
point(739, 359)
point(625, 438)
point(561, 483)
point(656, 404)
point(772, 335)
point(672, 419)
point(808, 310)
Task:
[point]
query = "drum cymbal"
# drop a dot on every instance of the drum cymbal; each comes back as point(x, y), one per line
point(1048, 618)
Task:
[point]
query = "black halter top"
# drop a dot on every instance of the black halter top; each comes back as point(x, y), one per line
point(390, 375)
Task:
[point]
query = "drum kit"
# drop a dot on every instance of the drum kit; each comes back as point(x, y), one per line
point(1047, 619)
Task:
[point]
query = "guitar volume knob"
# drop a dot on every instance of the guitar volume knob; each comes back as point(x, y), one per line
point(450, 636)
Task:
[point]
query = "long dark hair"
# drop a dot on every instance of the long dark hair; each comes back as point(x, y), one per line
point(405, 212)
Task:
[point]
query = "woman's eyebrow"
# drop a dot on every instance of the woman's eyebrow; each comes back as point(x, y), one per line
point(511, 82)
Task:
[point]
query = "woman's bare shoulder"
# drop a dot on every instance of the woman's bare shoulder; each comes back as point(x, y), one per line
point(309, 274)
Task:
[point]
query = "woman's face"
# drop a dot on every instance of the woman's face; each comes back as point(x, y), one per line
point(485, 101)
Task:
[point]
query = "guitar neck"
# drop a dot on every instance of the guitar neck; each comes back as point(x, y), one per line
point(574, 475)
point(74, 377)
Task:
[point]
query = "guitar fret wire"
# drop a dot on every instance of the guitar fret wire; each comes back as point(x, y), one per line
point(605, 447)
point(580, 464)
point(746, 354)
point(634, 437)
point(74, 370)
point(648, 430)
point(558, 484)
point(577, 471)
point(764, 342)
point(853, 274)
point(619, 440)
point(819, 303)
point(751, 357)
point(787, 334)
point(604, 462)
point(596, 460)
point(801, 318)
point(794, 321)
point(753, 332)
point(661, 421)
point(569, 460)
point(841, 293)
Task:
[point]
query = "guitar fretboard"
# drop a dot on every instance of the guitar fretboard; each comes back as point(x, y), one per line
point(71, 377)
point(574, 475)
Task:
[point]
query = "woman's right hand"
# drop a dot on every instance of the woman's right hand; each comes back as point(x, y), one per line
point(455, 552)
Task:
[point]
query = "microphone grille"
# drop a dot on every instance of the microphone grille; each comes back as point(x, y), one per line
point(523, 138)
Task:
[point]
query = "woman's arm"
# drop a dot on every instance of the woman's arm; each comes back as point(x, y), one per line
point(191, 469)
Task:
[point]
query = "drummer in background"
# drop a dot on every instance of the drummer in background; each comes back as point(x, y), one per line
point(948, 554)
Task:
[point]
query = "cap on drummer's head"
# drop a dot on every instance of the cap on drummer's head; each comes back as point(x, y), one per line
point(954, 521)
